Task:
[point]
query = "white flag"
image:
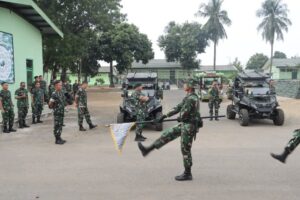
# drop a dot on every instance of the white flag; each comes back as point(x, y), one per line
point(119, 132)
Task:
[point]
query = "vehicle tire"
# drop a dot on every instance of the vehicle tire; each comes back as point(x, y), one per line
point(230, 113)
point(244, 117)
point(120, 118)
point(279, 117)
point(158, 126)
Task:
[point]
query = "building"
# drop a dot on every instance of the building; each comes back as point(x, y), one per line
point(173, 71)
point(284, 69)
point(22, 26)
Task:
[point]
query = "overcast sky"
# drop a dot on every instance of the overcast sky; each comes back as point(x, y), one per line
point(151, 16)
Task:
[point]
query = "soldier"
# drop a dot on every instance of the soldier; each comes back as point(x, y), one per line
point(140, 102)
point(7, 109)
point(51, 88)
point(21, 95)
point(291, 146)
point(57, 103)
point(81, 105)
point(214, 100)
point(37, 103)
point(75, 88)
point(190, 122)
point(36, 79)
point(44, 87)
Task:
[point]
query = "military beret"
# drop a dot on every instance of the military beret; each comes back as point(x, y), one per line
point(136, 85)
point(191, 83)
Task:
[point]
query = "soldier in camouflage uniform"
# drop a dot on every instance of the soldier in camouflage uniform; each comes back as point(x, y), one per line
point(140, 102)
point(37, 103)
point(7, 109)
point(36, 79)
point(44, 87)
point(21, 95)
point(81, 104)
point(57, 103)
point(214, 100)
point(51, 88)
point(75, 87)
point(291, 146)
point(190, 122)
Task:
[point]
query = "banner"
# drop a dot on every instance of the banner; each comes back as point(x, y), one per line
point(119, 133)
point(6, 58)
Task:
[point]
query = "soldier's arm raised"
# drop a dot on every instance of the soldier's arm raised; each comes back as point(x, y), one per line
point(175, 110)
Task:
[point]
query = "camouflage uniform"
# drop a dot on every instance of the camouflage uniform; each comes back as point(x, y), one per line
point(38, 103)
point(57, 98)
point(8, 114)
point(83, 111)
point(214, 101)
point(51, 89)
point(188, 111)
point(44, 88)
point(140, 108)
point(22, 104)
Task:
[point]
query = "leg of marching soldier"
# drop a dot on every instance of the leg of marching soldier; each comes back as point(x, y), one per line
point(80, 119)
point(167, 136)
point(211, 107)
point(139, 127)
point(20, 116)
point(217, 106)
point(24, 117)
point(88, 118)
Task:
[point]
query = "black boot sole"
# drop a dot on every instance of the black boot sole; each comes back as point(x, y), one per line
point(142, 149)
point(276, 158)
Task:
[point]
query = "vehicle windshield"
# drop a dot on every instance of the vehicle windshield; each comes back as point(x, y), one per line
point(207, 81)
point(146, 86)
point(257, 90)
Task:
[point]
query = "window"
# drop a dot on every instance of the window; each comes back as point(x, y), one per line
point(29, 72)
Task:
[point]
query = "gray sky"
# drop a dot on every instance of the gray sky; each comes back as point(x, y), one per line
point(151, 16)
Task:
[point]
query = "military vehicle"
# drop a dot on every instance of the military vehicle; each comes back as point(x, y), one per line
point(205, 81)
point(151, 89)
point(253, 99)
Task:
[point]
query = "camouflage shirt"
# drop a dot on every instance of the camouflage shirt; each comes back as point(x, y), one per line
point(5, 98)
point(81, 98)
point(43, 85)
point(57, 98)
point(139, 105)
point(38, 96)
point(213, 93)
point(188, 109)
point(22, 102)
point(68, 87)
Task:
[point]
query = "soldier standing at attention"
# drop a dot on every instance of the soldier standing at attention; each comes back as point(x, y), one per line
point(190, 122)
point(290, 147)
point(81, 105)
point(57, 103)
point(7, 109)
point(21, 95)
point(37, 103)
point(140, 102)
point(214, 100)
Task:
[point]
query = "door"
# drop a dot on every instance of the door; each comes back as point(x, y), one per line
point(29, 72)
point(172, 76)
point(294, 74)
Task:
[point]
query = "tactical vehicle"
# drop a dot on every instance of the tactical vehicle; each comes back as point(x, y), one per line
point(205, 81)
point(151, 89)
point(253, 99)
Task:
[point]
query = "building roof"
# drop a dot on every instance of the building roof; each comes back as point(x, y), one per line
point(33, 14)
point(106, 69)
point(283, 63)
point(218, 68)
point(156, 64)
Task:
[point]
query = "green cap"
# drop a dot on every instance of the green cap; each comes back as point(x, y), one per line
point(191, 83)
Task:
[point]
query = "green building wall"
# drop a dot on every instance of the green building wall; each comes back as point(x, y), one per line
point(91, 80)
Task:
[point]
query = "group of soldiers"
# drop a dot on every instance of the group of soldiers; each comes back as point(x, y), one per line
point(59, 96)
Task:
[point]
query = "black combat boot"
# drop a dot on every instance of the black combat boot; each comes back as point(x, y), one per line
point(217, 119)
point(186, 176)
point(33, 120)
point(92, 126)
point(144, 138)
point(5, 129)
point(211, 118)
point(25, 125)
point(145, 150)
point(60, 141)
point(139, 138)
point(11, 128)
point(39, 119)
point(281, 157)
point(21, 125)
point(81, 128)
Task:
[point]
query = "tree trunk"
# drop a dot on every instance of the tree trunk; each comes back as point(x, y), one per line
point(215, 54)
point(63, 76)
point(79, 71)
point(111, 75)
point(271, 58)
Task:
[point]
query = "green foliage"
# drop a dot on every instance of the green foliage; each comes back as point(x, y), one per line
point(279, 54)
point(100, 81)
point(183, 43)
point(257, 61)
point(237, 64)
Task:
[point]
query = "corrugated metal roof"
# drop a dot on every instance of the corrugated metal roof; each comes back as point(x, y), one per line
point(218, 68)
point(156, 64)
point(283, 62)
point(33, 14)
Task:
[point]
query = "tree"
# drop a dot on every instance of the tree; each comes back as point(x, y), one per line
point(217, 18)
point(275, 21)
point(257, 61)
point(183, 42)
point(238, 64)
point(279, 54)
point(124, 44)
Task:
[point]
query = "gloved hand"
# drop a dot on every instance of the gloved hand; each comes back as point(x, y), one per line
point(161, 119)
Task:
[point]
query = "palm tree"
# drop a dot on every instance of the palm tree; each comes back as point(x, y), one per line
point(275, 20)
point(214, 25)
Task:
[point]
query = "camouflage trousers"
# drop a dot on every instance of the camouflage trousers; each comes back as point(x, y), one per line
point(8, 117)
point(186, 132)
point(58, 124)
point(214, 105)
point(294, 142)
point(22, 113)
point(37, 110)
point(83, 112)
point(139, 127)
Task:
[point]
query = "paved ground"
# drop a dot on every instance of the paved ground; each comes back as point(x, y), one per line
point(230, 162)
